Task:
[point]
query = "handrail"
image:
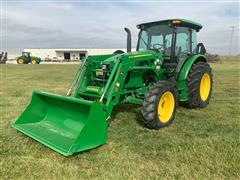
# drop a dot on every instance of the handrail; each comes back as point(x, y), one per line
point(77, 76)
point(110, 79)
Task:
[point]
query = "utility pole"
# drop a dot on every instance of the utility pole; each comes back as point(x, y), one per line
point(231, 41)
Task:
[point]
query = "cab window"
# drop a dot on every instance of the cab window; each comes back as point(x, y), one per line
point(194, 41)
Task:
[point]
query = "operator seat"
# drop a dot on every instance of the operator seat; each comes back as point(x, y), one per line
point(167, 52)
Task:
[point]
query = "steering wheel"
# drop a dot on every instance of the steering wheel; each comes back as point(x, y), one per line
point(157, 46)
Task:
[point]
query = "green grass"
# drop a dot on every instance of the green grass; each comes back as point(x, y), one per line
point(200, 144)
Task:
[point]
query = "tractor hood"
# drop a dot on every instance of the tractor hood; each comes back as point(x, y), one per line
point(142, 54)
point(35, 57)
point(137, 55)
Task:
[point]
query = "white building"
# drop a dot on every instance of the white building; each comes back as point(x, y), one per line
point(68, 54)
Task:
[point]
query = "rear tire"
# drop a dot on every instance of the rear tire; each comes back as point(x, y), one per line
point(118, 52)
point(160, 104)
point(21, 60)
point(199, 84)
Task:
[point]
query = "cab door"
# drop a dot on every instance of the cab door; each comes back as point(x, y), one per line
point(183, 38)
point(184, 46)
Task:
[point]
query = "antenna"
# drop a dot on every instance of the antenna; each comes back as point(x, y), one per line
point(231, 41)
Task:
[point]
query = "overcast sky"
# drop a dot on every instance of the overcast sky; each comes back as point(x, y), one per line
point(71, 24)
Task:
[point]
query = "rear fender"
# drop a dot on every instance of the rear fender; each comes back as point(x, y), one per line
point(182, 87)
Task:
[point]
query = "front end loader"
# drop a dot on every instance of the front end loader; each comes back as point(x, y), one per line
point(167, 68)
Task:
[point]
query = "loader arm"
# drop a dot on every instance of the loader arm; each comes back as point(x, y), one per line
point(102, 93)
point(109, 87)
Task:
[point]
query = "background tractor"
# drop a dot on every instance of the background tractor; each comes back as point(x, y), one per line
point(3, 57)
point(26, 58)
point(168, 67)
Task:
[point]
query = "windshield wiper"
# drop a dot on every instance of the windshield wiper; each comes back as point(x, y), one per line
point(144, 41)
point(147, 44)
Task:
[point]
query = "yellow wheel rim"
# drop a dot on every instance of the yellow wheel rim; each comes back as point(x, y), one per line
point(34, 61)
point(205, 86)
point(166, 107)
point(21, 61)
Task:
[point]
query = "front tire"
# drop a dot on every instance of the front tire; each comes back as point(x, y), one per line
point(34, 61)
point(160, 102)
point(199, 83)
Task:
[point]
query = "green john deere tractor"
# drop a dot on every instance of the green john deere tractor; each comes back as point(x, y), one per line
point(168, 67)
point(26, 58)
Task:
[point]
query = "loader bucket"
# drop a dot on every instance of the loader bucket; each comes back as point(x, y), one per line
point(65, 124)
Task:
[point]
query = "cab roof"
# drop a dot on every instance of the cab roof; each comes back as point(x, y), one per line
point(176, 22)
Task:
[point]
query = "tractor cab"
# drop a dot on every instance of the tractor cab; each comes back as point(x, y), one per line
point(175, 39)
point(26, 54)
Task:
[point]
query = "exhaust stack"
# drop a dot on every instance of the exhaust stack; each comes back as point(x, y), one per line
point(129, 40)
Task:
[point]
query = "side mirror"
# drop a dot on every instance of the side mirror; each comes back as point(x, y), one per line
point(201, 49)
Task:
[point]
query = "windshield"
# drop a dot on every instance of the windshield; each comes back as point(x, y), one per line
point(158, 37)
point(25, 53)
